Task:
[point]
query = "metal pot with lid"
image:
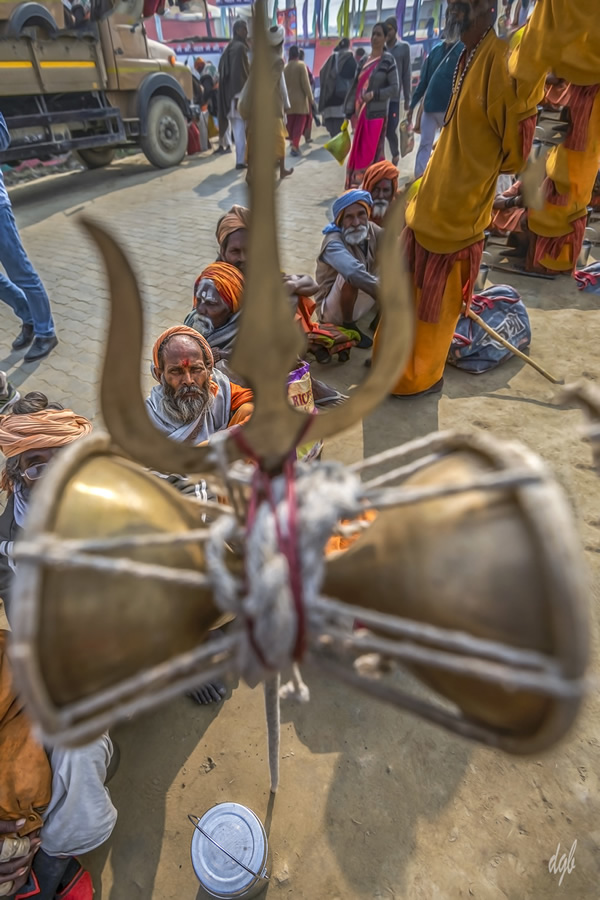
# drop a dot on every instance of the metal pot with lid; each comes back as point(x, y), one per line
point(230, 852)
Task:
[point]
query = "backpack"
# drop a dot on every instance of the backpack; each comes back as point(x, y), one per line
point(501, 307)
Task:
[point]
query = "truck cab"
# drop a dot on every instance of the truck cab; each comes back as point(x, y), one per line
point(78, 79)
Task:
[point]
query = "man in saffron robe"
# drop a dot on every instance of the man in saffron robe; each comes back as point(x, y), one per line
point(563, 38)
point(192, 399)
point(381, 182)
point(216, 313)
point(488, 130)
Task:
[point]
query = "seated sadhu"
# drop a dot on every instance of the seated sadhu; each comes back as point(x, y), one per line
point(324, 339)
point(54, 805)
point(218, 293)
point(346, 272)
point(381, 182)
point(192, 399)
point(509, 218)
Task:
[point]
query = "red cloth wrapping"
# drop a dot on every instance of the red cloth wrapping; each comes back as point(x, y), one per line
point(527, 134)
point(552, 195)
point(193, 145)
point(552, 246)
point(581, 101)
point(431, 272)
point(296, 126)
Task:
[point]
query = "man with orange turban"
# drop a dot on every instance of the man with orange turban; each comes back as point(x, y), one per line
point(218, 294)
point(231, 234)
point(192, 399)
point(30, 435)
point(381, 182)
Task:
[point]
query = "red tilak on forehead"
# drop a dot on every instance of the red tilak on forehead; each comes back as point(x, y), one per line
point(185, 362)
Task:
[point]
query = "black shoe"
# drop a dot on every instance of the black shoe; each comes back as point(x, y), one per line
point(241, 166)
point(365, 341)
point(24, 338)
point(41, 347)
point(219, 150)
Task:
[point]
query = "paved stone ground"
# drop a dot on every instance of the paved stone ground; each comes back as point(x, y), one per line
point(373, 803)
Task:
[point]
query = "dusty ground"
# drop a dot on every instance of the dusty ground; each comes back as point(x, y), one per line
point(373, 803)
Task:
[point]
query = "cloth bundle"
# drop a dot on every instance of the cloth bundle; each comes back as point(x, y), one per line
point(501, 307)
point(588, 278)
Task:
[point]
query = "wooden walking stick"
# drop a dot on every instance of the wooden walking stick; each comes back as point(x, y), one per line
point(519, 353)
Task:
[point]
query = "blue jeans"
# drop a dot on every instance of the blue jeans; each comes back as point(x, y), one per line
point(24, 292)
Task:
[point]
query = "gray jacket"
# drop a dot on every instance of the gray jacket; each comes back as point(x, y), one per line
point(384, 84)
point(401, 53)
point(354, 262)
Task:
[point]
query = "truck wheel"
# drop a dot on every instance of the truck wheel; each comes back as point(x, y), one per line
point(97, 157)
point(165, 141)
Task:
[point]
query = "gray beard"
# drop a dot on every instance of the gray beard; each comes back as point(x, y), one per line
point(452, 33)
point(204, 325)
point(380, 207)
point(355, 236)
point(186, 406)
point(454, 28)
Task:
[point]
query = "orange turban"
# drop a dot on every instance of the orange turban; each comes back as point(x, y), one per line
point(180, 329)
point(228, 280)
point(238, 217)
point(46, 428)
point(377, 172)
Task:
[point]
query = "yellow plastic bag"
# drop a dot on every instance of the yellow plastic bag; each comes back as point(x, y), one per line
point(213, 131)
point(339, 146)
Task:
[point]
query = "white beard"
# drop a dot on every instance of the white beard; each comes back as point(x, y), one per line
point(380, 207)
point(186, 406)
point(204, 325)
point(355, 236)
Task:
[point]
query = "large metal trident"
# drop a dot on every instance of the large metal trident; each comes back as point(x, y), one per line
point(268, 342)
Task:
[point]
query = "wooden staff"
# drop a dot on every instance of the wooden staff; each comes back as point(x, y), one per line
point(519, 353)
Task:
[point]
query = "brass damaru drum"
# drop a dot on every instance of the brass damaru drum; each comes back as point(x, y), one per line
point(502, 565)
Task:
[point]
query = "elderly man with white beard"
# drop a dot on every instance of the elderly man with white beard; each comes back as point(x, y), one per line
point(192, 399)
point(346, 264)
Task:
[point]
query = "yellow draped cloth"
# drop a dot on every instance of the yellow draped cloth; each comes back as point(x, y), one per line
point(562, 37)
point(453, 205)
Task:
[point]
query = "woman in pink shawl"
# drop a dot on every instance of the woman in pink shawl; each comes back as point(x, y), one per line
point(374, 85)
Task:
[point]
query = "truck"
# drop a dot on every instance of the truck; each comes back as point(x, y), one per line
point(89, 84)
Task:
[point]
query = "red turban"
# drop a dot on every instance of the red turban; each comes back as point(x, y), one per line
point(183, 330)
point(228, 280)
point(378, 172)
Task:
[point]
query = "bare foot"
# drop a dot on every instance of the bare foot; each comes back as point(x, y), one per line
point(211, 692)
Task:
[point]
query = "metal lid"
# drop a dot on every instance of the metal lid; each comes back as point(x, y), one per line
point(240, 833)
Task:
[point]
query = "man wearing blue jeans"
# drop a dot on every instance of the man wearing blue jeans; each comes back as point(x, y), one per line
point(23, 290)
